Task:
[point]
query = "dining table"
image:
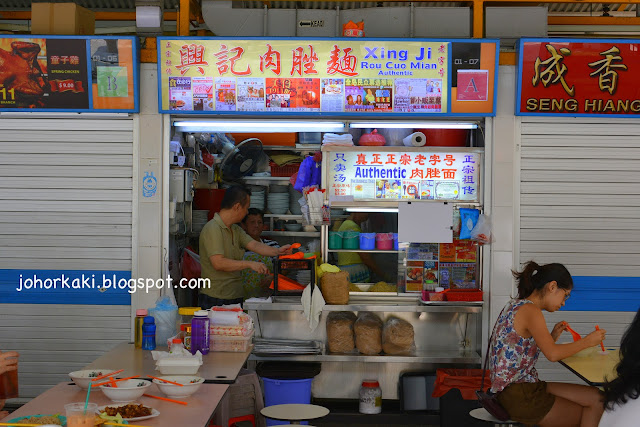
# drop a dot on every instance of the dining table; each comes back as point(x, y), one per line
point(594, 366)
point(197, 413)
point(217, 367)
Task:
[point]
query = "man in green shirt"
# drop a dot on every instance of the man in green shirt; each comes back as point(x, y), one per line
point(222, 247)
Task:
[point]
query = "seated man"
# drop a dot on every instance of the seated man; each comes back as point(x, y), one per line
point(256, 284)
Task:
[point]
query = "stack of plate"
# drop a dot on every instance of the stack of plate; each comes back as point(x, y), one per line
point(257, 197)
point(294, 206)
point(278, 199)
point(199, 219)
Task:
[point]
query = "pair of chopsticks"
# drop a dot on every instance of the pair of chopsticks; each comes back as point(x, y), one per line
point(112, 381)
point(166, 381)
point(181, 402)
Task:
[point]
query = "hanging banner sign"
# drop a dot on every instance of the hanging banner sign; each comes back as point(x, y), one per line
point(68, 73)
point(423, 175)
point(332, 76)
point(568, 77)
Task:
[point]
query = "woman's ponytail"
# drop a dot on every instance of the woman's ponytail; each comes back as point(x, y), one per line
point(534, 277)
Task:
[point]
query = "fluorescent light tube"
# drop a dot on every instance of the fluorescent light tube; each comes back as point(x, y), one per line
point(272, 125)
point(413, 125)
point(393, 210)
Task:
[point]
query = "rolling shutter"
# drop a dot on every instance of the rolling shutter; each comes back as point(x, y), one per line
point(580, 206)
point(66, 199)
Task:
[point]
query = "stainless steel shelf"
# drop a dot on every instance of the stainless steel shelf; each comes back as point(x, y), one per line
point(266, 178)
point(370, 306)
point(373, 251)
point(297, 147)
point(424, 356)
point(292, 233)
point(283, 216)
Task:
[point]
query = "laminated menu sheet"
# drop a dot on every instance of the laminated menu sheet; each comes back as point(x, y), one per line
point(425, 222)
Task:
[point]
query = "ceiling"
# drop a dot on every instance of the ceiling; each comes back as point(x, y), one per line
point(129, 5)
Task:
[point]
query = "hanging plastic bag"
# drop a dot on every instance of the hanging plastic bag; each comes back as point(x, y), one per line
point(165, 314)
point(482, 231)
point(468, 220)
point(191, 268)
point(307, 175)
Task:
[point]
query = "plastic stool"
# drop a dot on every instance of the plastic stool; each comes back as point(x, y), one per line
point(248, 420)
point(484, 415)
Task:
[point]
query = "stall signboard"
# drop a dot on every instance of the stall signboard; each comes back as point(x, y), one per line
point(68, 73)
point(326, 76)
point(573, 77)
point(386, 175)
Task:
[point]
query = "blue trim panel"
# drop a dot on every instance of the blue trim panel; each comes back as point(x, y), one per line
point(602, 293)
point(280, 114)
point(89, 295)
point(135, 45)
point(561, 40)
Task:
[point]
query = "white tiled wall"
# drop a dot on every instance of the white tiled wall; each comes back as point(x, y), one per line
point(503, 184)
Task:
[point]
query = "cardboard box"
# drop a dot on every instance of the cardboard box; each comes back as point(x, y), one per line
point(62, 18)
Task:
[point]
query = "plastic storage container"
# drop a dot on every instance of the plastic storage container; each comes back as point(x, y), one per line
point(279, 391)
point(350, 240)
point(186, 314)
point(200, 332)
point(384, 241)
point(149, 333)
point(367, 241)
point(178, 365)
point(310, 137)
point(237, 344)
point(141, 313)
point(335, 240)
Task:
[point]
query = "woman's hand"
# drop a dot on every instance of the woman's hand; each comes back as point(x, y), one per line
point(558, 329)
point(595, 337)
point(8, 361)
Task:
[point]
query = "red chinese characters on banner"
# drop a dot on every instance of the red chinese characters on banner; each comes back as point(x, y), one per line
point(302, 60)
point(567, 77)
point(192, 55)
point(270, 60)
point(227, 63)
point(345, 65)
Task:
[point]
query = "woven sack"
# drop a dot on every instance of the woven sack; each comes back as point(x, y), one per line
point(335, 288)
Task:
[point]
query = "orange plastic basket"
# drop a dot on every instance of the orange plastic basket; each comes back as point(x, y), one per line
point(282, 171)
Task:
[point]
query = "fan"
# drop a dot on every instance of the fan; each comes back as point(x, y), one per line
point(238, 160)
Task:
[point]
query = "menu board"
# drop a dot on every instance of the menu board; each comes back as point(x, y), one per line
point(333, 76)
point(389, 175)
point(68, 73)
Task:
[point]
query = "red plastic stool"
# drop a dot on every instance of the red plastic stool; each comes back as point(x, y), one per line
point(250, 418)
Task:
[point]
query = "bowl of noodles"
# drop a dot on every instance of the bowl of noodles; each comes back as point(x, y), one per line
point(47, 420)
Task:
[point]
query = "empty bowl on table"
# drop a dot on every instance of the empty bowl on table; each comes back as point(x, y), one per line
point(127, 391)
point(83, 378)
point(190, 384)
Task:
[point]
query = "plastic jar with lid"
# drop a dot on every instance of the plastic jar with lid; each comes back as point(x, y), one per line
point(186, 314)
point(370, 397)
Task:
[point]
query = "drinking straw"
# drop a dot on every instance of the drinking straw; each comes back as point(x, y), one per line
point(166, 381)
point(107, 375)
point(601, 344)
point(167, 399)
point(86, 402)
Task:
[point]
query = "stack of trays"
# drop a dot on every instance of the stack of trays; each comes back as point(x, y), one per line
point(278, 199)
point(199, 218)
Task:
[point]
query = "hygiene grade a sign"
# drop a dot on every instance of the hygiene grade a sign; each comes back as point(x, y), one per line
point(570, 77)
point(390, 175)
point(67, 73)
point(332, 76)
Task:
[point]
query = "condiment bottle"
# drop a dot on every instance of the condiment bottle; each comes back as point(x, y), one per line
point(137, 326)
point(9, 385)
point(187, 337)
point(149, 333)
point(200, 332)
point(186, 314)
point(176, 346)
point(370, 397)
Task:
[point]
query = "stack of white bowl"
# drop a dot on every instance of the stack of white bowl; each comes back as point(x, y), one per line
point(294, 206)
point(199, 219)
point(278, 199)
point(257, 197)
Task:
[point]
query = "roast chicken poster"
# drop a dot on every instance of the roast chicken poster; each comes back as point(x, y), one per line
point(57, 74)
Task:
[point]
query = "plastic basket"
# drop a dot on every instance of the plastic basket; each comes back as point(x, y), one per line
point(285, 170)
point(232, 344)
point(463, 295)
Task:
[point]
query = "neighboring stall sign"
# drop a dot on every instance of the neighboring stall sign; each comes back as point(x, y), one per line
point(68, 73)
point(573, 77)
point(388, 175)
point(326, 76)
